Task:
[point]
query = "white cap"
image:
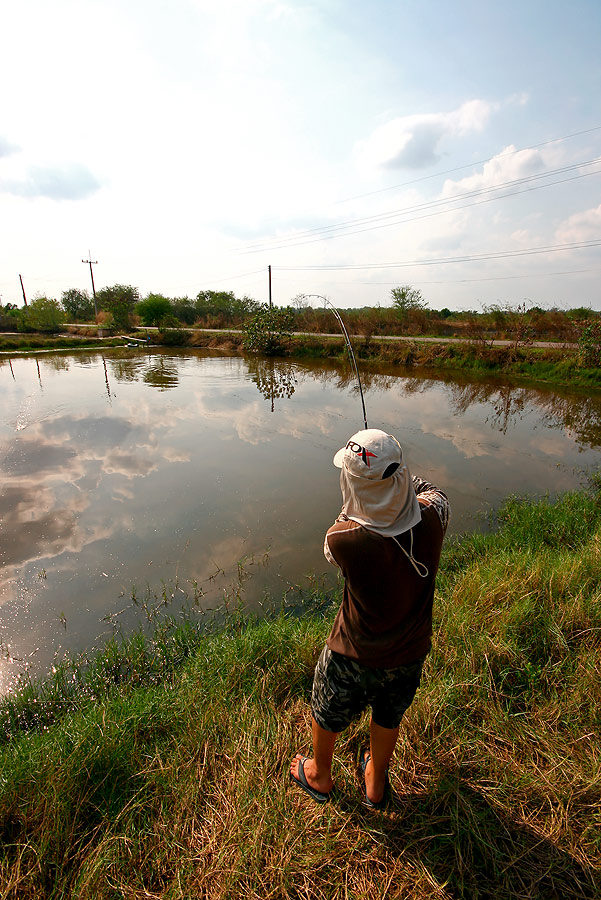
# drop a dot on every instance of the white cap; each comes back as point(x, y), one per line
point(370, 454)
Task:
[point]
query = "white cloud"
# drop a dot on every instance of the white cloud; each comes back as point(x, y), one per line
point(7, 148)
point(582, 226)
point(248, 421)
point(509, 165)
point(520, 99)
point(65, 181)
point(203, 122)
point(413, 142)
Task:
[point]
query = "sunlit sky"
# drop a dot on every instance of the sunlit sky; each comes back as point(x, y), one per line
point(352, 146)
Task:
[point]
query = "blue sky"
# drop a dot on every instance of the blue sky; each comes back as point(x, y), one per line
point(351, 146)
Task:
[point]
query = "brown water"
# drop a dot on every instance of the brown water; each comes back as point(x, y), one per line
point(166, 469)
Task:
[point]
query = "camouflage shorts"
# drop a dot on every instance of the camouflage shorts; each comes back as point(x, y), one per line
point(343, 688)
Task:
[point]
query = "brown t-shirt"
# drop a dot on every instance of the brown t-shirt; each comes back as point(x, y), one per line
point(385, 619)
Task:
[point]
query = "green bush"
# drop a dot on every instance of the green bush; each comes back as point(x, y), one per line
point(153, 309)
point(119, 300)
point(173, 337)
point(268, 330)
point(589, 344)
point(78, 305)
point(42, 314)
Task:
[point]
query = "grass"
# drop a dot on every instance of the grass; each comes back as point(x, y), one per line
point(163, 772)
point(551, 365)
point(10, 343)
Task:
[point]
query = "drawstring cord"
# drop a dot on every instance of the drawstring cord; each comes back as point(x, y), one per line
point(414, 562)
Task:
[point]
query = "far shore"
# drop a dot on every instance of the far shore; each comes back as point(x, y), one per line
point(539, 361)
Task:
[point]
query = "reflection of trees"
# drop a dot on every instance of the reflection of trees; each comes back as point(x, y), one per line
point(274, 379)
point(86, 359)
point(127, 369)
point(573, 412)
point(56, 363)
point(417, 385)
point(507, 403)
point(161, 375)
point(345, 379)
point(578, 414)
point(157, 371)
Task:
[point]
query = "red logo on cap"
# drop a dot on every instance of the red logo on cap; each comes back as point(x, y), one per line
point(360, 451)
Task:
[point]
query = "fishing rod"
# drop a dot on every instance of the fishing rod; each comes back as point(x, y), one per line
point(349, 347)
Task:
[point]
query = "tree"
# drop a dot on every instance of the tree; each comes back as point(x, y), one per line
point(118, 300)
point(300, 302)
point(512, 322)
point(43, 314)
point(78, 305)
point(214, 302)
point(589, 343)
point(268, 329)
point(226, 305)
point(153, 309)
point(184, 310)
point(405, 299)
point(9, 317)
point(582, 312)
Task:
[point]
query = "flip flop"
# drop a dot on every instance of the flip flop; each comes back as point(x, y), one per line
point(381, 804)
point(302, 782)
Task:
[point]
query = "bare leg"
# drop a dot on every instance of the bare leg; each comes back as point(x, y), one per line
point(318, 770)
point(382, 744)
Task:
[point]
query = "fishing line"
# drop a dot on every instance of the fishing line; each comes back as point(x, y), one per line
point(349, 348)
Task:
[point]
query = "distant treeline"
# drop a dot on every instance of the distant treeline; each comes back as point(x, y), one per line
point(121, 307)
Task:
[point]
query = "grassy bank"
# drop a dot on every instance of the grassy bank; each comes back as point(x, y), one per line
point(20, 343)
point(552, 365)
point(562, 366)
point(163, 772)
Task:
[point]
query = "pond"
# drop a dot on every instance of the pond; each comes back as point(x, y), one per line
point(165, 470)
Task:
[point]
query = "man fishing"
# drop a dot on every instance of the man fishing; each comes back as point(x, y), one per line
point(387, 542)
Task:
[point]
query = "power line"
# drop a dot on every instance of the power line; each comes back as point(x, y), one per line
point(231, 277)
point(463, 167)
point(503, 277)
point(328, 230)
point(491, 278)
point(479, 162)
point(432, 203)
point(430, 215)
point(470, 280)
point(502, 254)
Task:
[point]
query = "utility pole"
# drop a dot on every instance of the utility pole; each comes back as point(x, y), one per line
point(23, 290)
point(91, 263)
point(269, 268)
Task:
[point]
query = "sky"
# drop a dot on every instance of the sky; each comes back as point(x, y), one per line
point(351, 146)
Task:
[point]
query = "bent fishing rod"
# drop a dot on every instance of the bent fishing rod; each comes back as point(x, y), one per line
point(349, 348)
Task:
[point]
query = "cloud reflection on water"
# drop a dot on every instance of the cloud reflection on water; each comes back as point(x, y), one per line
point(54, 469)
point(130, 467)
